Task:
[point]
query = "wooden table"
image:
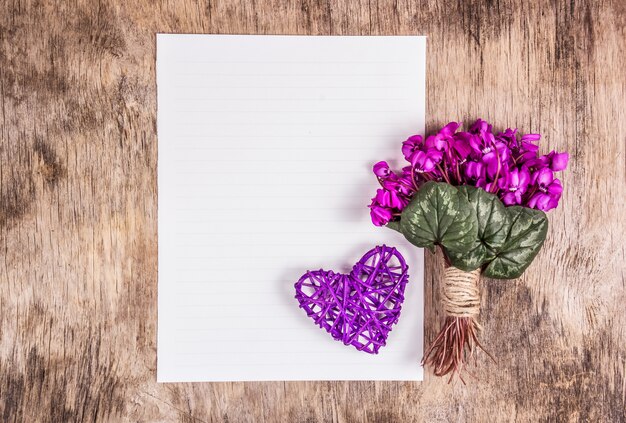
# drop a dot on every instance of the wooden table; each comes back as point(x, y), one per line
point(78, 210)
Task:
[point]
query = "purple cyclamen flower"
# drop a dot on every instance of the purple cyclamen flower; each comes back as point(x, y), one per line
point(480, 126)
point(381, 169)
point(442, 141)
point(558, 161)
point(531, 137)
point(484, 146)
point(494, 156)
point(508, 137)
point(541, 201)
point(455, 144)
point(548, 190)
point(553, 160)
point(474, 170)
point(449, 129)
point(528, 150)
point(405, 182)
point(411, 145)
point(390, 198)
point(425, 161)
point(514, 186)
point(391, 183)
point(436, 142)
point(461, 145)
point(543, 178)
point(380, 215)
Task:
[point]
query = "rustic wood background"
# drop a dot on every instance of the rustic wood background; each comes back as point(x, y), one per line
point(78, 210)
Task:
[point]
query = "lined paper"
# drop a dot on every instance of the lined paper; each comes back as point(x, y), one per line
point(266, 145)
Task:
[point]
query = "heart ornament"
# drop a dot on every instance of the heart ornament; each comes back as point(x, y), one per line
point(359, 308)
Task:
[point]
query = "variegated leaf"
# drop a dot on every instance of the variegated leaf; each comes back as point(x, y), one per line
point(395, 225)
point(439, 214)
point(524, 240)
point(493, 226)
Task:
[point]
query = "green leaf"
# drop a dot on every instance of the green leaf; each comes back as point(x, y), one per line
point(439, 214)
point(524, 240)
point(395, 225)
point(493, 227)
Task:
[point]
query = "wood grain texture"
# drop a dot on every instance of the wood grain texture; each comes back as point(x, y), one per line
point(78, 228)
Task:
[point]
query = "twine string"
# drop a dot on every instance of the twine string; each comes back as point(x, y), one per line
point(459, 293)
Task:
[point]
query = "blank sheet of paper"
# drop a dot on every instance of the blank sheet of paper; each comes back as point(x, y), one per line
point(266, 145)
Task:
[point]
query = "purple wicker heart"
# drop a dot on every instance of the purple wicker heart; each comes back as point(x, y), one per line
point(360, 308)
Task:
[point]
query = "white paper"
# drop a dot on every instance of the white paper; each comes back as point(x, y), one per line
point(266, 145)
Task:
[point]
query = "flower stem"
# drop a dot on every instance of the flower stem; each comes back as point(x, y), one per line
point(444, 174)
point(413, 178)
point(493, 184)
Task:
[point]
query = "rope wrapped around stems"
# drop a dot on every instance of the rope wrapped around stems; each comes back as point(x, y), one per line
point(457, 340)
point(459, 293)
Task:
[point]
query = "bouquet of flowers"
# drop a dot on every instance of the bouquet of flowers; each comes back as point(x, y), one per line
point(480, 196)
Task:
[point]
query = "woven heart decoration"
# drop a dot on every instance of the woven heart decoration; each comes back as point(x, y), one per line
point(359, 308)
